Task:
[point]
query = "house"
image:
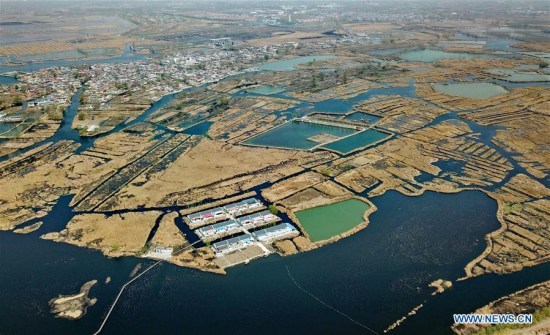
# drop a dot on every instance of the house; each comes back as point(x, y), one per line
point(243, 205)
point(218, 229)
point(208, 214)
point(277, 232)
point(256, 219)
point(163, 251)
point(232, 244)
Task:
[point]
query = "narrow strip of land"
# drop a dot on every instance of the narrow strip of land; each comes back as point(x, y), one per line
point(130, 282)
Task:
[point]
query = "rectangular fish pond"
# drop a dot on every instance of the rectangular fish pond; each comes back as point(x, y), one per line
point(324, 222)
point(358, 141)
point(267, 90)
point(298, 135)
point(362, 117)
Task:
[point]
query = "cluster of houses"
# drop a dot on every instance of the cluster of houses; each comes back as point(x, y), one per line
point(56, 85)
point(239, 217)
point(218, 230)
point(277, 232)
point(219, 213)
point(257, 219)
point(232, 244)
point(267, 235)
point(47, 100)
point(229, 227)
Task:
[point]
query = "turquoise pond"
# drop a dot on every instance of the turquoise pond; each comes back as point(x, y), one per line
point(5, 80)
point(289, 64)
point(295, 134)
point(520, 76)
point(5, 127)
point(471, 90)
point(357, 141)
point(266, 90)
point(324, 222)
point(362, 117)
point(430, 55)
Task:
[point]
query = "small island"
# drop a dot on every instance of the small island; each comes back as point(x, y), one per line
point(29, 229)
point(73, 307)
point(440, 285)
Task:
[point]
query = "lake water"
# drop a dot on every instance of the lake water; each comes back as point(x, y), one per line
point(374, 276)
point(295, 134)
point(520, 76)
point(324, 222)
point(346, 106)
point(471, 90)
point(430, 55)
point(5, 80)
point(290, 64)
point(357, 141)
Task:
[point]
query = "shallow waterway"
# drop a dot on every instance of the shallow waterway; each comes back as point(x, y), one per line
point(65, 132)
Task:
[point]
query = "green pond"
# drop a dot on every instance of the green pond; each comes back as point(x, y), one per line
point(289, 64)
point(429, 55)
point(471, 90)
point(295, 134)
point(359, 140)
point(324, 222)
point(266, 90)
point(5, 127)
point(13, 131)
point(519, 76)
